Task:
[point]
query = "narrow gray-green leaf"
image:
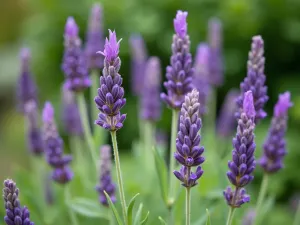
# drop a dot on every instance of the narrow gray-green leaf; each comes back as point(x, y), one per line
point(113, 208)
point(162, 222)
point(138, 215)
point(130, 208)
point(146, 219)
point(208, 222)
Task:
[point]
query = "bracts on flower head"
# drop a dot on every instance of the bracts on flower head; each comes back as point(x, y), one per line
point(150, 102)
point(180, 72)
point(189, 152)
point(106, 184)
point(110, 98)
point(255, 79)
point(74, 63)
point(275, 144)
point(15, 213)
point(243, 161)
point(61, 173)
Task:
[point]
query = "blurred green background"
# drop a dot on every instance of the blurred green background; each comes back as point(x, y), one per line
point(39, 24)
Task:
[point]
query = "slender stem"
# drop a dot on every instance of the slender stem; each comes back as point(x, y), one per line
point(111, 218)
point(148, 144)
point(74, 220)
point(86, 126)
point(212, 110)
point(119, 175)
point(260, 200)
point(188, 206)
point(230, 216)
point(297, 216)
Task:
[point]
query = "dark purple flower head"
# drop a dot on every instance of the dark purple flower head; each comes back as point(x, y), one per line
point(15, 214)
point(243, 161)
point(236, 198)
point(180, 73)
point(94, 40)
point(110, 98)
point(26, 87)
point(74, 63)
point(106, 184)
point(255, 80)
point(189, 152)
point(180, 24)
point(54, 148)
point(70, 114)
point(138, 63)
point(150, 105)
point(201, 76)
point(275, 144)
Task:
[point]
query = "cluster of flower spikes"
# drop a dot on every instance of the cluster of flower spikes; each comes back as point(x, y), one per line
point(53, 145)
point(255, 80)
point(275, 144)
point(15, 214)
point(243, 161)
point(180, 73)
point(106, 184)
point(74, 63)
point(110, 98)
point(189, 152)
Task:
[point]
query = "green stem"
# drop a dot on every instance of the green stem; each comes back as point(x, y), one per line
point(86, 126)
point(230, 216)
point(74, 220)
point(148, 144)
point(261, 197)
point(112, 218)
point(212, 110)
point(119, 175)
point(188, 206)
point(297, 216)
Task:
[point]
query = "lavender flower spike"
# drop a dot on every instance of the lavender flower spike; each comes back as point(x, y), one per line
point(15, 213)
point(255, 80)
point(150, 106)
point(180, 73)
point(201, 77)
point(243, 162)
point(95, 39)
point(106, 183)
point(110, 97)
point(74, 64)
point(54, 148)
point(138, 62)
point(189, 152)
point(275, 144)
point(26, 87)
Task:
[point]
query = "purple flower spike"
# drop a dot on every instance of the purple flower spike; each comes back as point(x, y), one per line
point(74, 64)
point(216, 70)
point(110, 98)
point(106, 184)
point(26, 87)
point(255, 80)
point(54, 148)
point(189, 152)
point(150, 106)
point(15, 213)
point(201, 77)
point(70, 114)
point(138, 63)
point(180, 73)
point(243, 161)
point(95, 39)
point(275, 144)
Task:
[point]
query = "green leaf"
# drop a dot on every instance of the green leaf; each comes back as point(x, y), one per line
point(137, 219)
point(162, 222)
point(87, 208)
point(162, 173)
point(146, 219)
point(130, 208)
point(113, 208)
point(208, 222)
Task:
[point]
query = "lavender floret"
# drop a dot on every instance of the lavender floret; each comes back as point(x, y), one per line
point(15, 214)
point(106, 184)
point(243, 161)
point(189, 152)
point(255, 80)
point(74, 63)
point(275, 144)
point(150, 105)
point(62, 172)
point(180, 73)
point(110, 98)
